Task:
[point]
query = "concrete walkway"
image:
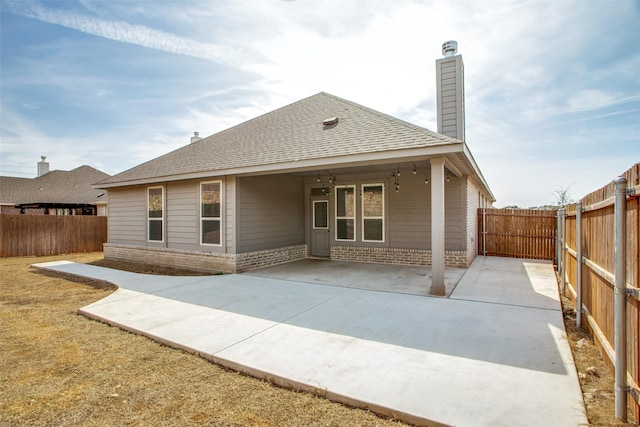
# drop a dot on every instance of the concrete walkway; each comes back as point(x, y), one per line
point(493, 354)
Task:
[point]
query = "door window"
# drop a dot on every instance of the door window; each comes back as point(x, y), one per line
point(320, 217)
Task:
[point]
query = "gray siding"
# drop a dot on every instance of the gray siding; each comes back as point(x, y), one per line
point(450, 96)
point(270, 212)
point(182, 215)
point(410, 214)
point(230, 213)
point(455, 214)
point(128, 216)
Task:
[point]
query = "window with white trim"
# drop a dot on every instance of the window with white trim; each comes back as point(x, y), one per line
point(155, 214)
point(373, 213)
point(211, 213)
point(346, 213)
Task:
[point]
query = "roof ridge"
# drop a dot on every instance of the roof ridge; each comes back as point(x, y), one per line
point(256, 118)
point(288, 133)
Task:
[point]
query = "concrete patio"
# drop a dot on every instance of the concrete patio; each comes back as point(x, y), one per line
point(402, 279)
point(494, 353)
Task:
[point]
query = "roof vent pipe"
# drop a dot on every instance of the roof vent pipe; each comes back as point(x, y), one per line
point(449, 48)
point(195, 137)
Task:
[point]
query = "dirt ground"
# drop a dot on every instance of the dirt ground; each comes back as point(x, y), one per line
point(60, 368)
point(596, 377)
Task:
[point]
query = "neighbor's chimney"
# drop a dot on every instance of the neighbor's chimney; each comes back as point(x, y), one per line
point(43, 167)
point(195, 137)
point(450, 91)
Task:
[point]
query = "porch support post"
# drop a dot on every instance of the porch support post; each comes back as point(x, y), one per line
point(437, 226)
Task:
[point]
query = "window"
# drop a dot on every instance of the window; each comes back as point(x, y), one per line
point(210, 213)
point(319, 192)
point(345, 213)
point(373, 213)
point(320, 210)
point(155, 213)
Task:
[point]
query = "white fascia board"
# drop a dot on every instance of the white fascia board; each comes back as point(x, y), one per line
point(364, 159)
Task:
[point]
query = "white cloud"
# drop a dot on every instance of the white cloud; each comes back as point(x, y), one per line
point(128, 33)
point(540, 77)
point(101, 93)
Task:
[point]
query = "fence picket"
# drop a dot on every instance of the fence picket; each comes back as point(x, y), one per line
point(518, 233)
point(41, 235)
point(597, 269)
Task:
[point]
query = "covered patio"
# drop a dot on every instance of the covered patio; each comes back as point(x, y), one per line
point(402, 279)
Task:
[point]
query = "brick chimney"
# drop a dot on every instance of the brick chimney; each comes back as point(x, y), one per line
point(450, 92)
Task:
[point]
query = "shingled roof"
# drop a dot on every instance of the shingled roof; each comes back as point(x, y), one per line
point(292, 134)
point(69, 187)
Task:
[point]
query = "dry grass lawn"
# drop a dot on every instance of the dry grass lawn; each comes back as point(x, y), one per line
point(59, 368)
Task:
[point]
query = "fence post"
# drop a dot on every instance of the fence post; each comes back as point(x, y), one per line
point(558, 241)
point(620, 306)
point(561, 249)
point(484, 231)
point(579, 264)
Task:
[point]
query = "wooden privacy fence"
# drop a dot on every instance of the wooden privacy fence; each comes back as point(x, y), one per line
point(39, 235)
point(588, 272)
point(517, 233)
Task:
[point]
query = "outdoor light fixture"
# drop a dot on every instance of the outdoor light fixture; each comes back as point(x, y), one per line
point(396, 181)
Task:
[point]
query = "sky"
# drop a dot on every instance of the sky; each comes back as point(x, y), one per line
point(552, 87)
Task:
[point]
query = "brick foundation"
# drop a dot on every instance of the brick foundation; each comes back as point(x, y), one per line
point(198, 261)
point(456, 259)
point(259, 259)
point(236, 263)
point(204, 261)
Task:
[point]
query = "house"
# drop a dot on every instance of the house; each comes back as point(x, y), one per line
point(54, 193)
point(322, 177)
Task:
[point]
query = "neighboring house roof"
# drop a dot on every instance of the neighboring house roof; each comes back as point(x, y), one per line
point(289, 138)
point(68, 187)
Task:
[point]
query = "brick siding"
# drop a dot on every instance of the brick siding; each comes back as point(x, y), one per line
point(259, 259)
point(204, 261)
point(395, 256)
point(198, 261)
point(236, 263)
